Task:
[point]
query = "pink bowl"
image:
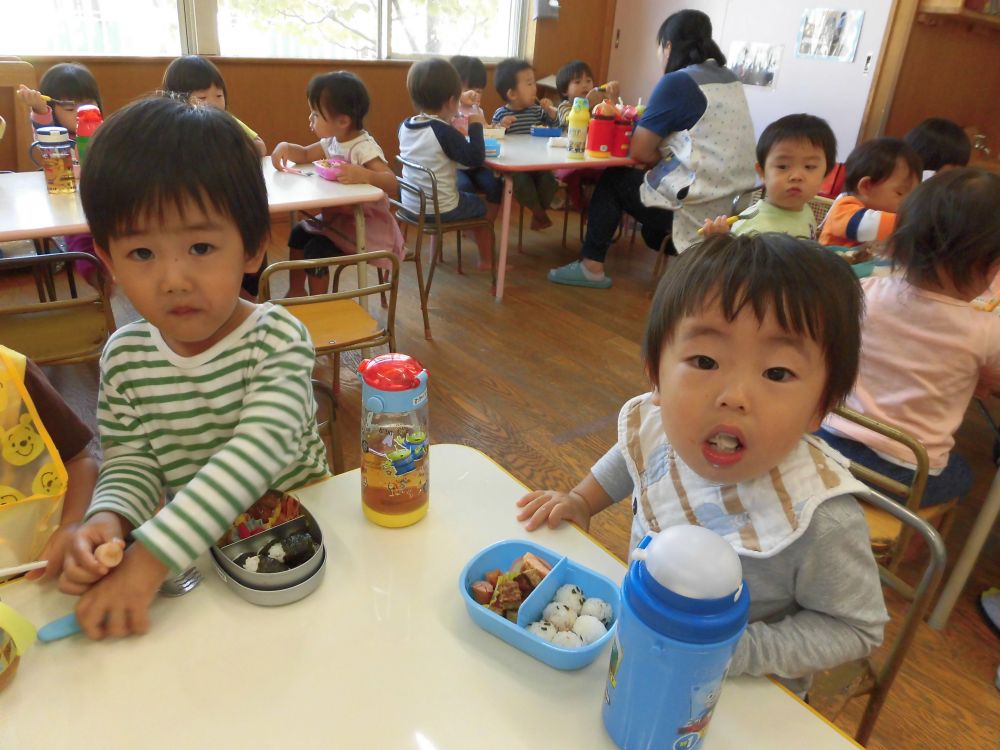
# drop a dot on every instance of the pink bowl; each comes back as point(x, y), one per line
point(329, 169)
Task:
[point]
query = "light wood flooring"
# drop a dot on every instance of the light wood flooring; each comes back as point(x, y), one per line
point(536, 383)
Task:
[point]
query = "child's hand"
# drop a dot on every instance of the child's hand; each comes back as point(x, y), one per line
point(55, 552)
point(33, 99)
point(80, 568)
point(506, 122)
point(718, 225)
point(612, 90)
point(352, 174)
point(279, 157)
point(118, 605)
point(469, 98)
point(546, 104)
point(553, 507)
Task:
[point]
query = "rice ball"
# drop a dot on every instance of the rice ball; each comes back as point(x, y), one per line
point(567, 639)
point(589, 628)
point(570, 595)
point(598, 608)
point(559, 615)
point(543, 629)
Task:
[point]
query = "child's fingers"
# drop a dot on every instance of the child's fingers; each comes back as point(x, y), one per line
point(529, 497)
point(540, 515)
point(139, 620)
point(90, 613)
point(116, 624)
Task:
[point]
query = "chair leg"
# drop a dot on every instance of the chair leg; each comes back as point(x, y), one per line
point(565, 219)
point(421, 286)
point(458, 249)
point(336, 373)
point(381, 280)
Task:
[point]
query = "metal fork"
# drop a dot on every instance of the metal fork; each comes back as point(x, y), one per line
point(182, 583)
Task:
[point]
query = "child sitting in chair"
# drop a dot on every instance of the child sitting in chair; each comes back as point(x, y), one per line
point(429, 140)
point(879, 174)
point(794, 154)
point(750, 342)
point(925, 351)
point(209, 397)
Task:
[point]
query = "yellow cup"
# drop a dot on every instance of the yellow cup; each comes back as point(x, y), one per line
point(16, 635)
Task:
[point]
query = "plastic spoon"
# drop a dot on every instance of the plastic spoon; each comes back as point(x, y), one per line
point(8, 572)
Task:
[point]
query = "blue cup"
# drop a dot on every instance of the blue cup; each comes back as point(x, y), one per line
point(668, 660)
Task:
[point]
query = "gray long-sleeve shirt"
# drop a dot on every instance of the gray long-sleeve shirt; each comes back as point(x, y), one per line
point(816, 604)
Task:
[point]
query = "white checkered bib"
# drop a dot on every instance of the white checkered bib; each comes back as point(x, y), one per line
point(758, 517)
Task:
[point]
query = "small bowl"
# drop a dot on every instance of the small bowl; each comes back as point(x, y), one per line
point(273, 581)
point(564, 570)
point(329, 169)
point(545, 132)
point(496, 134)
point(275, 598)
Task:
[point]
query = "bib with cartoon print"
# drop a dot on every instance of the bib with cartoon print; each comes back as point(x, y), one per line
point(759, 517)
point(32, 476)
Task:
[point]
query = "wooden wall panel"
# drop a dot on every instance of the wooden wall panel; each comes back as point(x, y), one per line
point(269, 95)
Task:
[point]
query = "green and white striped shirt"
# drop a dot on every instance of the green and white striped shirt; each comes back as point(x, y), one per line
point(216, 430)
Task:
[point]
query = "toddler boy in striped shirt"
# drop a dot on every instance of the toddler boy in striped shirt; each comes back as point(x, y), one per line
point(515, 82)
point(208, 399)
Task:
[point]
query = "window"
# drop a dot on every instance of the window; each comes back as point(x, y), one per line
point(319, 29)
point(96, 27)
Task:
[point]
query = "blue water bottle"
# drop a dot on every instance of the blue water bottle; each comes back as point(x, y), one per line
point(684, 607)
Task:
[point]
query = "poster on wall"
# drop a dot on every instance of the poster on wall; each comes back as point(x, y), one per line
point(755, 63)
point(827, 34)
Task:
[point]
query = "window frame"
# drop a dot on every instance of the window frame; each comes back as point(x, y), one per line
point(198, 23)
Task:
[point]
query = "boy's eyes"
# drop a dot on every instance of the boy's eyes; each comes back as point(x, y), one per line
point(141, 253)
point(702, 362)
point(201, 248)
point(778, 374)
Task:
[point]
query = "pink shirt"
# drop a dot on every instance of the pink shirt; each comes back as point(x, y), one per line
point(922, 357)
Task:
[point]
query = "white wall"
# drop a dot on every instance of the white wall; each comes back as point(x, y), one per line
point(832, 90)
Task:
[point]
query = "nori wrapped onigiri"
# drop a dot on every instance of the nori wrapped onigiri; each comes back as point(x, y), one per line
point(291, 551)
point(270, 565)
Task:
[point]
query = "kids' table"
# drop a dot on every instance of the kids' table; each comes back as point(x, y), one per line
point(528, 153)
point(28, 211)
point(382, 655)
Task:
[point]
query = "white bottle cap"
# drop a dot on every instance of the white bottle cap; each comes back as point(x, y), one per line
point(692, 561)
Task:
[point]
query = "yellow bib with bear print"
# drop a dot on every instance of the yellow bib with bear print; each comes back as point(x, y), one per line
point(32, 476)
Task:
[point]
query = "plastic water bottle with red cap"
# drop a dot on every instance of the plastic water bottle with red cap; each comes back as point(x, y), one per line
point(683, 608)
point(88, 118)
point(395, 460)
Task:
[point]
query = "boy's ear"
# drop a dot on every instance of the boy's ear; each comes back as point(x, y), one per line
point(759, 170)
point(864, 185)
point(252, 263)
point(105, 258)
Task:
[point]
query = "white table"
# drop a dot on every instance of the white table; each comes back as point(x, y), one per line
point(28, 211)
point(383, 655)
point(528, 153)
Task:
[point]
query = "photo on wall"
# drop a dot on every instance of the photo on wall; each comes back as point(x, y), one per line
point(827, 34)
point(755, 63)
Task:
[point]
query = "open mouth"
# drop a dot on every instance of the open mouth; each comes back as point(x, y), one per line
point(723, 449)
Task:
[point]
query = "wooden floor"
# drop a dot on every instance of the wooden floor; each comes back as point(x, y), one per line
point(536, 383)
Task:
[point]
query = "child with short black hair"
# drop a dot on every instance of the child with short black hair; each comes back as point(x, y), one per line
point(198, 78)
point(475, 179)
point(576, 79)
point(429, 140)
point(338, 104)
point(794, 154)
point(941, 144)
point(878, 175)
point(68, 85)
point(751, 340)
point(208, 398)
point(926, 351)
point(514, 79)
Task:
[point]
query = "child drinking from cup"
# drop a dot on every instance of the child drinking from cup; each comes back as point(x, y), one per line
point(474, 179)
point(751, 340)
point(338, 104)
point(208, 397)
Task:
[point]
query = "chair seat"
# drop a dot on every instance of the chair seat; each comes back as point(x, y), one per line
point(337, 324)
point(884, 529)
point(66, 335)
point(430, 226)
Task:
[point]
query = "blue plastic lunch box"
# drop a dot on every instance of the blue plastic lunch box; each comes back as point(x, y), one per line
point(564, 570)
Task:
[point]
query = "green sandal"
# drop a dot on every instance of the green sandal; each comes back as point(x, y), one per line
point(572, 275)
